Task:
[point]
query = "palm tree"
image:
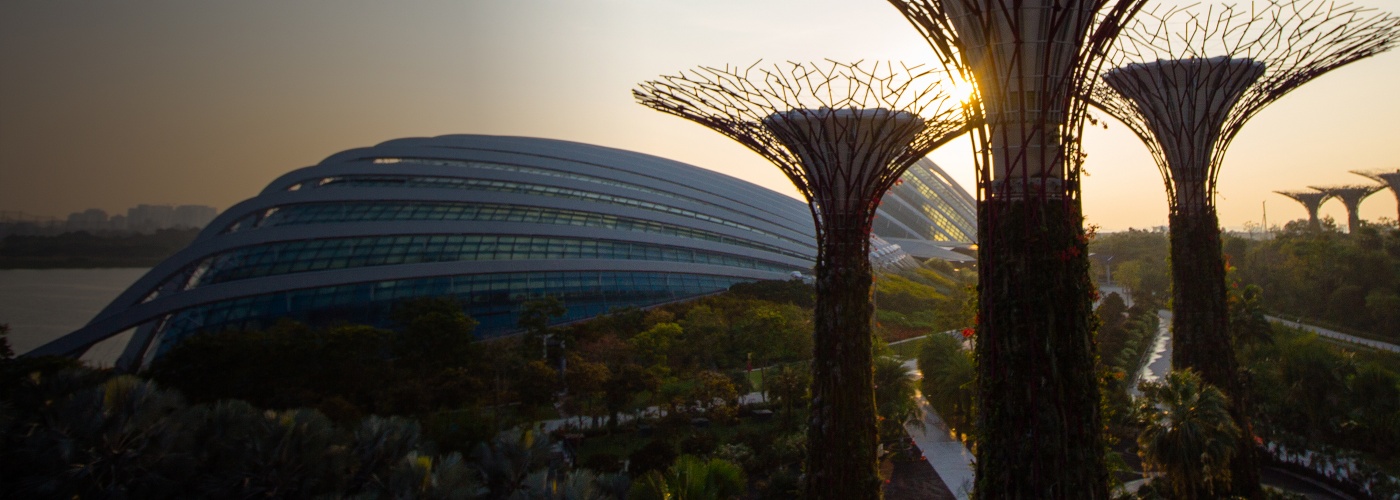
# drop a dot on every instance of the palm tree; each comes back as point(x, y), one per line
point(894, 398)
point(691, 478)
point(507, 461)
point(1187, 435)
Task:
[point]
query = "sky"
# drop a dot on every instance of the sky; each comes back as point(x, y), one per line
point(113, 104)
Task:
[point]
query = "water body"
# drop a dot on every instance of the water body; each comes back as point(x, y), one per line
point(43, 304)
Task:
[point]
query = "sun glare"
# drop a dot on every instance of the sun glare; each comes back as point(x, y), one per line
point(962, 90)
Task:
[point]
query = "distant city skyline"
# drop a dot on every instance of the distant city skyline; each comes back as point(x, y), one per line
point(110, 105)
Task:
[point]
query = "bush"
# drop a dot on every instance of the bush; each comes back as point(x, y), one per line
point(654, 456)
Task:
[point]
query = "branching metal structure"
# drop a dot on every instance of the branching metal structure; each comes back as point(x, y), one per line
point(843, 134)
point(1351, 196)
point(1186, 80)
point(1034, 63)
point(1390, 179)
point(1311, 200)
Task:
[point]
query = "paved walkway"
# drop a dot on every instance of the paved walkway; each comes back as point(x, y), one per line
point(949, 458)
point(1159, 362)
point(1375, 344)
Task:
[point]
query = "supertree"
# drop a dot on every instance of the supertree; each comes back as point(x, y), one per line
point(1185, 81)
point(1033, 63)
point(1351, 197)
point(1390, 179)
point(843, 134)
point(1310, 200)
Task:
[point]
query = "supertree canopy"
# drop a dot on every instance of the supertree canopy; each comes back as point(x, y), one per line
point(1311, 200)
point(1391, 179)
point(1351, 197)
point(1034, 63)
point(1186, 80)
point(843, 134)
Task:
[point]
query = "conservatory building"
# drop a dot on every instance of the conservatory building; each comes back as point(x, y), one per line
point(491, 221)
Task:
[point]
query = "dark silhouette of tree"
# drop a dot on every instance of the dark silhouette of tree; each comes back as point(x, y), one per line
point(843, 134)
point(1186, 80)
point(1188, 435)
point(1034, 64)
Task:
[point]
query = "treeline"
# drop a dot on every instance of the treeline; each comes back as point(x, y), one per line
point(87, 250)
point(1124, 338)
point(1310, 394)
point(1325, 277)
point(1351, 281)
point(423, 410)
point(1138, 262)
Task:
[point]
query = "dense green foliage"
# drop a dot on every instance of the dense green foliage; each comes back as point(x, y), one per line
point(1187, 435)
point(285, 411)
point(1138, 260)
point(1314, 394)
point(82, 249)
point(1124, 340)
point(1034, 353)
point(948, 382)
point(346, 371)
point(934, 298)
point(1351, 281)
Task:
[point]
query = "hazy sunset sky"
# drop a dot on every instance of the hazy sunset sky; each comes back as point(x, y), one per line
point(112, 104)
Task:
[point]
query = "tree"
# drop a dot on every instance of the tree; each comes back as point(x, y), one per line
point(948, 384)
point(653, 345)
point(894, 398)
point(535, 316)
point(691, 478)
point(1188, 435)
point(789, 386)
point(434, 333)
point(507, 460)
point(537, 384)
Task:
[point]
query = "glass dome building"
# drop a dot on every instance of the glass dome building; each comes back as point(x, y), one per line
point(492, 221)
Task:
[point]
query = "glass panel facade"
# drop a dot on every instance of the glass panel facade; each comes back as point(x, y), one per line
point(499, 186)
point(320, 213)
point(343, 253)
point(492, 299)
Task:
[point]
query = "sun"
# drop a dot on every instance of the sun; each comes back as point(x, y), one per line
point(962, 90)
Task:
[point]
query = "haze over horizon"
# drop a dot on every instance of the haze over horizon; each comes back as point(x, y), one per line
point(110, 105)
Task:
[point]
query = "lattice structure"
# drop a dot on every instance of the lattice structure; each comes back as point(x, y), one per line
point(1034, 63)
point(1186, 80)
point(1351, 197)
point(1311, 200)
point(1390, 179)
point(843, 134)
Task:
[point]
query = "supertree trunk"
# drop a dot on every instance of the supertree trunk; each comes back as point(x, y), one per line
point(1038, 425)
point(1034, 63)
point(1186, 81)
point(841, 431)
point(1200, 330)
point(843, 134)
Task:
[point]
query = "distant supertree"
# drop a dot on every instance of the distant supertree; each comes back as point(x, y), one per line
point(1351, 197)
point(1186, 81)
point(1033, 63)
point(843, 134)
point(1310, 200)
point(1390, 179)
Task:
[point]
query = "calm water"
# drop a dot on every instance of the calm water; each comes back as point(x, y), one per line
point(43, 304)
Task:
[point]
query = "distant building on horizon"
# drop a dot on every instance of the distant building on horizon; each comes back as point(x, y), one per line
point(492, 221)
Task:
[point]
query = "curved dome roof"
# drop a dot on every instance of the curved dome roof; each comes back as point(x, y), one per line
point(927, 205)
point(493, 221)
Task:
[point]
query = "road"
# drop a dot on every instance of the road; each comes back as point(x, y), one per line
point(1375, 344)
